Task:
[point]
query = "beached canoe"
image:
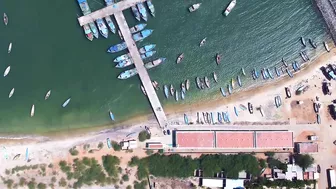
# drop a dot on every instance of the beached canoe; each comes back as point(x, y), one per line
point(111, 115)
point(11, 93)
point(27, 154)
point(212, 118)
point(182, 95)
point(66, 102)
point(242, 107)
point(219, 115)
point(166, 91)
point(312, 43)
point(187, 84)
point(176, 95)
point(32, 111)
point(236, 111)
point(229, 89)
point(288, 92)
point(180, 58)
point(47, 95)
point(239, 81)
point(224, 117)
point(318, 118)
point(303, 41)
point(223, 91)
point(108, 141)
point(326, 46)
point(207, 82)
point(198, 82)
point(250, 107)
point(228, 117)
point(172, 90)
point(7, 71)
point(186, 121)
point(215, 77)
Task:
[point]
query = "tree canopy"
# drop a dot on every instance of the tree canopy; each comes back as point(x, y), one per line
point(303, 160)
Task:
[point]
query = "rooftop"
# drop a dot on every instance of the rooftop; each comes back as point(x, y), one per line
point(227, 139)
point(306, 147)
point(274, 139)
point(195, 139)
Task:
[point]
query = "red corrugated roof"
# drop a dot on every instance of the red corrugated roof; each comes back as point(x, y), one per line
point(234, 139)
point(274, 139)
point(196, 139)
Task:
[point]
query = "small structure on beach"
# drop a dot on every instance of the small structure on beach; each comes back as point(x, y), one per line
point(221, 183)
point(128, 145)
point(306, 147)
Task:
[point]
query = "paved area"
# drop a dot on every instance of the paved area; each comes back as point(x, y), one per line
point(142, 71)
point(106, 11)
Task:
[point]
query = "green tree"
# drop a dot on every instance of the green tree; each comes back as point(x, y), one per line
point(22, 181)
point(143, 135)
point(116, 146)
point(62, 182)
point(41, 186)
point(129, 187)
point(73, 151)
point(110, 165)
point(303, 160)
point(262, 163)
point(100, 145)
point(125, 178)
point(134, 161)
point(269, 154)
point(32, 184)
point(9, 183)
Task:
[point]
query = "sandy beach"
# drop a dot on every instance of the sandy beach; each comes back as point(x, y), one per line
point(52, 148)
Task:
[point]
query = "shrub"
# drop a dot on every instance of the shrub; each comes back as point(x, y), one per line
point(50, 165)
point(141, 185)
point(262, 163)
point(110, 165)
point(22, 181)
point(86, 147)
point(41, 186)
point(62, 182)
point(134, 161)
point(7, 172)
point(116, 146)
point(53, 179)
point(73, 151)
point(32, 184)
point(129, 187)
point(143, 135)
point(269, 154)
point(304, 160)
point(100, 145)
point(9, 183)
point(149, 152)
point(125, 178)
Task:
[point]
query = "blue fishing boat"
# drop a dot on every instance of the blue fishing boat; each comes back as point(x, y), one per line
point(66, 102)
point(94, 29)
point(142, 10)
point(298, 65)
point(110, 24)
point(186, 121)
point(256, 73)
point(239, 81)
point(228, 117)
point(111, 115)
point(289, 72)
point(136, 13)
point(27, 154)
point(108, 141)
point(263, 73)
point(266, 73)
point(151, 7)
point(224, 117)
point(270, 73)
point(138, 27)
point(295, 66)
point(109, 2)
point(277, 71)
point(84, 6)
point(132, 72)
point(166, 91)
point(88, 32)
point(236, 111)
point(147, 54)
point(212, 118)
point(182, 95)
point(117, 47)
point(220, 120)
point(122, 57)
point(102, 27)
point(229, 89)
point(124, 63)
point(223, 91)
point(142, 35)
point(147, 48)
point(176, 95)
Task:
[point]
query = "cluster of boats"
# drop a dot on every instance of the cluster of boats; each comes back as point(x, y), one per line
point(139, 11)
point(226, 12)
point(185, 86)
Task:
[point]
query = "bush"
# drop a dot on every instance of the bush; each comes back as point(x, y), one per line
point(41, 186)
point(269, 154)
point(7, 172)
point(100, 145)
point(9, 183)
point(53, 179)
point(32, 184)
point(276, 163)
point(262, 163)
point(50, 165)
point(86, 147)
point(110, 165)
point(143, 135)
point(73, 151)
point(149, 152)
point(303, 161)
point(116, 146)
point(141, 185)
point(142, 172)
point(129, 187)
point(22, 181)
point(134, 161)
point(62, 182)
point(125, 178)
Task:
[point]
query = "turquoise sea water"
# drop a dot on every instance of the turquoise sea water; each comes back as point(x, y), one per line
point(50, 51)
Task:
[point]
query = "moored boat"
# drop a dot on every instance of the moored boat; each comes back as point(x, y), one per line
point(142, 35)
point(270, 73)
point(277, 71)
point(326, 46)
point(11, 93)
point(202, 42)
point(229, 89)
point(94, 29)
point(194, 7)
point(187, 84)
point(180, 58)
point(124, 63)
point(136, 13)
point(151, 7)
point(172, 90)
point(284, 62)
point(239, 81)
point(147, 54)
point(183, 88)
point(32, 111)
point(182, 95)
point(176, 95)
point(218, 58)
point(120, 35)
point(102, 27)
point(88, 32)
point(66, 102)
point(122, 57)
point(9, 48)
point(303, 41)
point(7, 71)
point(289, 72)
point(198, 82)
point(230, 7)
point(312, 43)
point(117, 47)
point(303, 57)
point(166, 91)
point(143, 90)
point(110, 24)
point(111, 116)
point(232, 83)
point(47, 95)
point(142, 10)
point(294, 66)
point(138, 27)
point(223, 91)
point(243, 71)
point(5, 18)
point(147, 48)
point(132, 72)
point(207, 82)
point(215, 77)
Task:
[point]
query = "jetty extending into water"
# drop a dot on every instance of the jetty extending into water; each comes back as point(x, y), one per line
point(328, 10)
point(107, 11)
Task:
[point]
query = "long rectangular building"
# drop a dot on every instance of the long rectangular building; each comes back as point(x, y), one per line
point(233, 139)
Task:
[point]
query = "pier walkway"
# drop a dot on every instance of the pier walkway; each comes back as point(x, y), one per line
point(106, 11)
point(143, 74)
point(328, 10)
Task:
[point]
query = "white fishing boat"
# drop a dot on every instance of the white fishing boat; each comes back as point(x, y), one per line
point(194, 7)
point(7, 71)
point(202, 42)
point(143, 90)
point(11, 93)
point(326, 46)
point(230, 7)
point(9, 48)
point(66, 102)
point(32, 111)
point(47, 95)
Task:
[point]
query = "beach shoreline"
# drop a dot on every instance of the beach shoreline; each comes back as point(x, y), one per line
point(173, 110)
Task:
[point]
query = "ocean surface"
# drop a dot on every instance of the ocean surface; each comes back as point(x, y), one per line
point(50, 51)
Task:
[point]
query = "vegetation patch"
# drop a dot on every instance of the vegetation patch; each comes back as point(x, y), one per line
point(143, 135)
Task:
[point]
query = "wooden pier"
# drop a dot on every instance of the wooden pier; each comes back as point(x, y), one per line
point(106, 11)
point(143, 74)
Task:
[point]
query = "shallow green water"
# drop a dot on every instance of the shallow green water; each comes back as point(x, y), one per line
point(50, 51)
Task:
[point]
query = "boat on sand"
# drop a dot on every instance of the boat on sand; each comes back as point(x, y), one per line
point(326, 46)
